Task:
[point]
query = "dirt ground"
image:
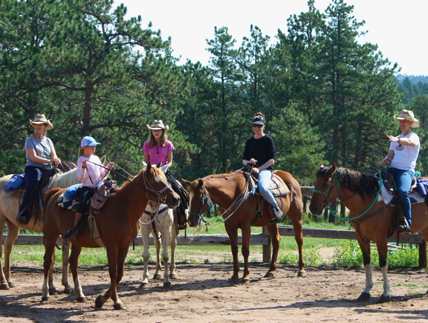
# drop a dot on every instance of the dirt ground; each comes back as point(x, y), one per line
point(203, 293)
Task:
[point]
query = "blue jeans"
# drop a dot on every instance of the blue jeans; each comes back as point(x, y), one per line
point(403, 180)
point(31, 179)
point(264, 177)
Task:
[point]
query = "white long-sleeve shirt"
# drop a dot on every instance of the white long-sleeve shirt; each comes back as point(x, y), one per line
point(91, 172)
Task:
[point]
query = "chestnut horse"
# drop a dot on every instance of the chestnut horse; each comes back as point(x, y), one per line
point(372, 219)
point(117, 225)
point(224, 190)
point(9, 207)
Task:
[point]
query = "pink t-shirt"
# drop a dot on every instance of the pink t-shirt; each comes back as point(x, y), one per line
point(158, 153)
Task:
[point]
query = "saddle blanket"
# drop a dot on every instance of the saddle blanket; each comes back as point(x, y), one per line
point(276, 186)
point(415, 196)
point(64, 202)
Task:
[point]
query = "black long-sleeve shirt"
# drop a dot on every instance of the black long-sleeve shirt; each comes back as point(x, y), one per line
point(261, 149)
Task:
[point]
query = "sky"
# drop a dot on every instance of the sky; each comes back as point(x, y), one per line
point(398, 27)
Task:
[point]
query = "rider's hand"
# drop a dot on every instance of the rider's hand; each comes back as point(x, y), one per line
point(56, 161)
point(84, 163)
point(252, 161)
point(392, 138)
point(256, 170)
point(384, 162)
point(110, 165)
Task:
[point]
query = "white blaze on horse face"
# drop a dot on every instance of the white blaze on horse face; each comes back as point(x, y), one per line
point(191, 194)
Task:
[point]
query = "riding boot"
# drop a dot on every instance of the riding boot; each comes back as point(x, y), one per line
point(23, 216)
point(404, 227)
point(77, 218)
point(277, 215)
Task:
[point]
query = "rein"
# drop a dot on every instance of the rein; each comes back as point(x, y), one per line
point(334, 212)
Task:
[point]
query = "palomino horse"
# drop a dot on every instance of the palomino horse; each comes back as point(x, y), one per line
point(226, 190)
point(159, 221)
point(9, 207)
point(373, 219)
point(117, 225)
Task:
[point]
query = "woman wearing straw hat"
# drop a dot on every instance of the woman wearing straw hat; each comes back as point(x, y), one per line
point(158, 149)
point(402, 156)
point(40, 153)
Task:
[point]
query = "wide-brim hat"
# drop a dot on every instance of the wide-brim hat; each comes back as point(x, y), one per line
point(41, 119)
point(158, 125)
point(408, 115)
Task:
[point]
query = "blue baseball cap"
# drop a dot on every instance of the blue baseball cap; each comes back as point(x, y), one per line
point(88, 141)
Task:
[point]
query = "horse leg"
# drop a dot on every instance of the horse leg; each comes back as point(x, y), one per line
point(65, 261)
point(295, 215)
point(166, 238)
point(112, 254)
point(49, 241)
point(232, 232)
point(52, 289)
point(275, 238)
point(173, 244)
point(157, 274)
point(12, 235)
point(146, 256)
point(365, 249)
point(118, 305)
point(382, 248)
point(74, 260)
point(245, 249)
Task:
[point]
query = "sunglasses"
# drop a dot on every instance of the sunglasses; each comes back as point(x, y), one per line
point(257, 126)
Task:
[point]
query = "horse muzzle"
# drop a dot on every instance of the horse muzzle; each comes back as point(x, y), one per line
point(173, 201)
point(194, 221)
point(316, 209)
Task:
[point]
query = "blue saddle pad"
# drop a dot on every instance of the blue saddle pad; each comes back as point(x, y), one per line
point(71, 192)
point(15, 182)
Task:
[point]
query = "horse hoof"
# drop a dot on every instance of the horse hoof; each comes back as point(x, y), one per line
point(384, 299)
point(45, 298)
point(235, 280)
point(99, 302)
point(4, 286)
point(119, 306)
point(157, 276)
point(11, 284)
point(269, 275)
point(68, 290)
point(245, 281)
point(143, 285)
point(301, 273)
point(52, 291)
point(173, 276)
point(81, 299)
point(364, 297)
point(167, 285)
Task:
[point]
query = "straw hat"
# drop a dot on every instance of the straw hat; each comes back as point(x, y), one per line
point(41, 119)
point(408, 115)
point(158, 125)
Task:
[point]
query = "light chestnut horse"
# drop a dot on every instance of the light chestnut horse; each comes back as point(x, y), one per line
point(224, 190)
point(358, 192)
point(158, 220)
point(117, 225)
point(9, 207)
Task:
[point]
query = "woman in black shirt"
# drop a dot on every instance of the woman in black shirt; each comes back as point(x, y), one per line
point(260, 152)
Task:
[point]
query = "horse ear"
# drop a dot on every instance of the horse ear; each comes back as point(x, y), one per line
point(103, 159)
point(188, 183)
point(332, 169)
point(149, 166)
point(200, 182)
point(159, 165)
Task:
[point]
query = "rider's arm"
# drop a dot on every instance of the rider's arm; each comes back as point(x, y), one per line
point(269, 163)
point(388, 159)
point(37, 159)
point(146, 157)
point(54, 157)
point(170, 158)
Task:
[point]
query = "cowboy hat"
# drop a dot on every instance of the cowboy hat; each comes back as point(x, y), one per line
point(408, 115)
point(158, 125)
point(41, 119)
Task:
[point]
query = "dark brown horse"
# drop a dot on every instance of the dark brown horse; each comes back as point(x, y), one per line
point(224, 190)
point(117, 224)
point(372, 217)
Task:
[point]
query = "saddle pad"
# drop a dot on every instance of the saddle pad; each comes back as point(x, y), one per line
point(65, 203)
point(415, 196)
point(277, 186)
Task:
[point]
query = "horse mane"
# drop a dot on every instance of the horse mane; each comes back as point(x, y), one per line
point(220, 175)
point(65, 179)
point(353, 180)
point(141, 171)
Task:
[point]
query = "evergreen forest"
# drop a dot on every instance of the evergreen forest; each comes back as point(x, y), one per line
point(326, 97)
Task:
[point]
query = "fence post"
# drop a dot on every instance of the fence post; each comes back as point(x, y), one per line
point(266, 248)
point(422, 254)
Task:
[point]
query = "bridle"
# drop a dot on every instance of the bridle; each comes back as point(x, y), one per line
point(329, 189)
point(206, 203)
point(151, 190)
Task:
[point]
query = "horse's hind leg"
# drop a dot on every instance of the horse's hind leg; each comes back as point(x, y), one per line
point(275, 238)
point(12, 235)
point(382, 248)
point(166, 238)
point(295, 215)
point(49, 242)
point(65, 261)
point(74, 259)
point(173, 244)
point(146, 256)
point(158, 271)
point(365, 249)
point(233, 238)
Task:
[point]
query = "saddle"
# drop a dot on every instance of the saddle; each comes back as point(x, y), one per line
point(276, 184)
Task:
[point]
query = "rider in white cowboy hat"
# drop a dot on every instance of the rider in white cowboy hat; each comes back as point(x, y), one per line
point(157, 149)
point(40, 153)
point(402, 156)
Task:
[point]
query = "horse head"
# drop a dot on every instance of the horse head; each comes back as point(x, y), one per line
point(198, 201)
point(157, 187)
point(323, 189)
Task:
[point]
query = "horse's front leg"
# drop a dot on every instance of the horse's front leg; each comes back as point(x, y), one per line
point(173, 244)
point(296, 220)
point(12, 235)
point(74, 260)
point(65, 261)
point(166, 238)
point(146, 255)
point(365, 248)
point(382, 248)
point(275, 238)
point(233, 238)
point(49, 242)
point(158, 270)
point(246, 236)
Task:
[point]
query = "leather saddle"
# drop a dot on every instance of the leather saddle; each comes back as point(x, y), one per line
point(276, 184)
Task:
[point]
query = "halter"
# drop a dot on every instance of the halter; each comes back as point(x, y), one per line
point(157, 194)
point(204, 202)
point(334, 212)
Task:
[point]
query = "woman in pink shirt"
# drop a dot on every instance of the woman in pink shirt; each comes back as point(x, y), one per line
point(157, 149)
point(90, 174)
